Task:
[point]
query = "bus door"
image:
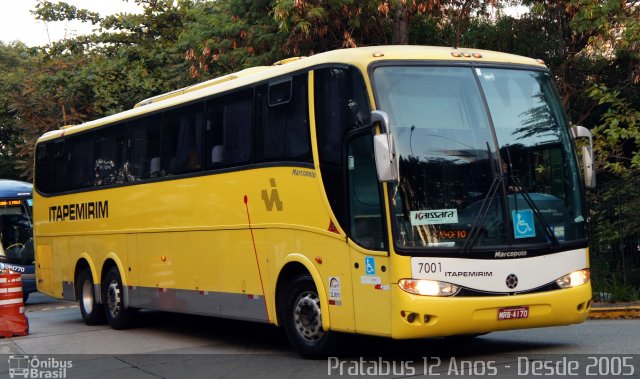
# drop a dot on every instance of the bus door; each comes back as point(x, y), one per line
point(368, 246)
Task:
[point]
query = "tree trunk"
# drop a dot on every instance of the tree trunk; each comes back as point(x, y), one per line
point(400, 30)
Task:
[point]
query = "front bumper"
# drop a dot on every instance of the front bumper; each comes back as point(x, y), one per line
point(416, 316)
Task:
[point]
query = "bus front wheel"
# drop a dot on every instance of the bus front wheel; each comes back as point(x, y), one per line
point(302, 319)
point(117, 315)
point(92, 313)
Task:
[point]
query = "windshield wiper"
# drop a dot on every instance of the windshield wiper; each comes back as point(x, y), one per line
point(486, 202)
point(520, 189)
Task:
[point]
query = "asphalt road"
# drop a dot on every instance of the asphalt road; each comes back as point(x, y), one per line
point(182, 346)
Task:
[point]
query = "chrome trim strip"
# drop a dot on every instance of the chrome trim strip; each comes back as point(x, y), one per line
point(207, 303)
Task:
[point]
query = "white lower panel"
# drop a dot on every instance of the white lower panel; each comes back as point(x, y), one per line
point(500, 275)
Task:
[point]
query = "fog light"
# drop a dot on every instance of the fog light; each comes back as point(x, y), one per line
point(428, 287)
point(576, 278)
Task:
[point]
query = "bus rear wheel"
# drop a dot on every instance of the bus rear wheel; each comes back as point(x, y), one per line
point(92, 313)
point(301, 314)
point(117, 315)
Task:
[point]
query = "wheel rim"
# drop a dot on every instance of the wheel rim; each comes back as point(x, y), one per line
point(113, 298)
point(87, 296)
point(307, 317)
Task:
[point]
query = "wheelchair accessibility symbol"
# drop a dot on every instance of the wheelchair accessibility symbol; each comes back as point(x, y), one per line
point(370, 265)
point(523, 224)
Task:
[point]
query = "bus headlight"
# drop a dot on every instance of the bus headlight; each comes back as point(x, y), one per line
point(576, 278)
point(428, 287)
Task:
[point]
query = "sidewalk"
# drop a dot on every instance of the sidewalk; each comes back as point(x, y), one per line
point(614, 311)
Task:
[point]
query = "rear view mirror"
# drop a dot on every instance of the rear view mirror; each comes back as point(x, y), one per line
point(384, 149)
point(587, 155)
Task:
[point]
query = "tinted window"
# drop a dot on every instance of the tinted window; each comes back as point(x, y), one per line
point(15, 232)
point(182, 133)
point(282, 131)
point(280, 93)
point(228, 127)
point(44, 155)
point(59, 162)
point(109, 163)
point(80, 159)
point(341, 105)
point(366, 224)
point(145, 141)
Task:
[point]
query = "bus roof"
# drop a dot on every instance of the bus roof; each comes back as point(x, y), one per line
point(14, 189)
point(360, 57)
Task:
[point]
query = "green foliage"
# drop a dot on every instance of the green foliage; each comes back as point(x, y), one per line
point(617, 137)
point(611, 289)
point(222, 37)
point(313, 26)
point(49, 11)
point(128, 58)
point(140, 50)
point(15, 60)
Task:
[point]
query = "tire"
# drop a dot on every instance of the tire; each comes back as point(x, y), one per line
point(117, 315)
point(92, 313)
point(302, 319)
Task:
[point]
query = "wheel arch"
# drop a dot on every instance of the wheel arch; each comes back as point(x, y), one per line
point(293, 266)
point(112, 260)
point(84, 261)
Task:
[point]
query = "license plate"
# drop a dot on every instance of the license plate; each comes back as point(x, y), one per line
point(513, 313)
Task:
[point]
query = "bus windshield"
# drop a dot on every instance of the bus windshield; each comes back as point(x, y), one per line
point(16, 231)
point(486, 161)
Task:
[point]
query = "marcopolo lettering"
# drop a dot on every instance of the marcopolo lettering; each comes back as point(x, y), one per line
point(305, 173)
point(434, 216)
point(510, 254)
point(79, 211)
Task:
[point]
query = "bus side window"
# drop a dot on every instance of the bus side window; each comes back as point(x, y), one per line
point(109, 162)
point(59, 164)
point(228, 127)
point(365, 209)
point(80, 161)
point(182, 143)
point(341, 105)
point(282, 124)
point(44, 163)
point(145, 142)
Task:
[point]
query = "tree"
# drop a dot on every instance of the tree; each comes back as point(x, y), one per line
point(14, 62)
point(314, 26)
point(223, 37)
point(130, 57)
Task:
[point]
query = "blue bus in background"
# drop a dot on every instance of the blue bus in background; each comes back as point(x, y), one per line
point(16, 232)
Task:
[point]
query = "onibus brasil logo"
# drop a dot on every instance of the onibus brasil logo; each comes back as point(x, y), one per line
point(24, 366)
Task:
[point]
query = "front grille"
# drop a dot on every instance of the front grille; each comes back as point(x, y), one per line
point(469, 292)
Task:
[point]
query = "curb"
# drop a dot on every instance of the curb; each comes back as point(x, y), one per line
point(614, 313)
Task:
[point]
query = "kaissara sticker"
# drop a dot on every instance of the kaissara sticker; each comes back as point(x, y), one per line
point(434, 217)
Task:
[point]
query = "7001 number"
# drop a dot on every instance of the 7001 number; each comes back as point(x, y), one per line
point(428, 268)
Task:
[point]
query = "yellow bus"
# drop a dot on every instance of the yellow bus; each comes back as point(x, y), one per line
point(399, 191)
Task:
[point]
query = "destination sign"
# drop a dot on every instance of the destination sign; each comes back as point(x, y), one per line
point(10, 203)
